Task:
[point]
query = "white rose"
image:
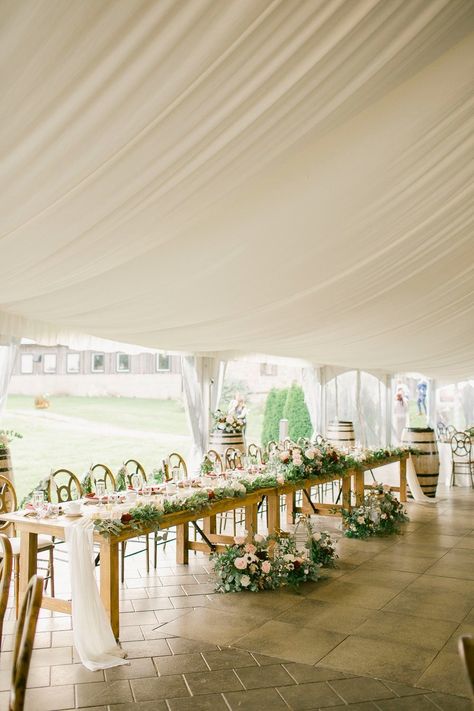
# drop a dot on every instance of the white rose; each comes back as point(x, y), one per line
point(360, 519)
point(310, 454)
point(229, 419)
point(258, 538)
point(245, 581)
point(317, 536)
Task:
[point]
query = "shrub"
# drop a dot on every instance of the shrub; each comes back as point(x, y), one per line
point(274, 406)
point(296, 412)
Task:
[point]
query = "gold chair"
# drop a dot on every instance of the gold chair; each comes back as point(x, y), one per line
point(271, 447)
point(6, 565)
point(233, 458)
point(139, 469)
point(101, 472)
point(466, 650)
point(255, 452)
point(177, 468)
point(216, 460)
point(63, 486)
point(24, 639)
point(8, 503)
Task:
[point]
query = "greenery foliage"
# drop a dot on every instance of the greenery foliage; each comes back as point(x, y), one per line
point(274, 407)
point(380, 514)
point(296, 412)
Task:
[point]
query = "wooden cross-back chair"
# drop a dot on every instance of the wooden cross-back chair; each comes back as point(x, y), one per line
point(287, 444)
point(466, 651)
point(8, 503)
point(255, 452)
point(137, 469)
point(101, 472)
point(216, 460)
point(272, 446)
point(177, 466)
point(24, 639)
point(6, 567)
point(63, 486)
point(462, 462)
point(232, 458)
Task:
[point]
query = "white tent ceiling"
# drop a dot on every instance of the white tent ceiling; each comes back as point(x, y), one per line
point(289, 176)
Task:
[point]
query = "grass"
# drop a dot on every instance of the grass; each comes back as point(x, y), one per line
point(76, 432)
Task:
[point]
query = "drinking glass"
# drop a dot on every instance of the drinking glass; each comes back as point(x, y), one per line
point(100, 491)
point(38, 502)
point(137, 482)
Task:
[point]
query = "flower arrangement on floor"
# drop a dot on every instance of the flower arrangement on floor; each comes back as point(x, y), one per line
point(228, 423)
point(270, 562)
point(379, 515)
point(320, 544)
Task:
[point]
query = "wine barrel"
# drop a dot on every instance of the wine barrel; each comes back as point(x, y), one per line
point(341, 433)
point(426, 463)
point(6, 463)
point(219, 441)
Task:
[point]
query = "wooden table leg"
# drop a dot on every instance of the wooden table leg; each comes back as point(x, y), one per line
point(306, 507)
point(251, 520)
point(290, 508)
point(210, 526)
point(273, 516)
point(359, 486)
point(346, 493)
point(109, 583)
point(28, 562)
point(403, 479)
point(182, 539)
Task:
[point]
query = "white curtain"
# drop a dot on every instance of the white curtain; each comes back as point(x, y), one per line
point(203, 378)
point(311, 383)
point(8, 354)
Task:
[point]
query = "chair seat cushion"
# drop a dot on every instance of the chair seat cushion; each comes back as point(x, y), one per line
point(44, 542)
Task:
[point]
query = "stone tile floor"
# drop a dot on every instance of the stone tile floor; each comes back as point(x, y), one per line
point(379, 632)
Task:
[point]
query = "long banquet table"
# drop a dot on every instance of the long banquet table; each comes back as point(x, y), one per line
point(29, 528)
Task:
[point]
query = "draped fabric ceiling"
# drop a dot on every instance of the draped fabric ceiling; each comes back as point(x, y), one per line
point(290, 177)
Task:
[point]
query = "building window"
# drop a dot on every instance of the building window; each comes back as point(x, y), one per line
point(163, 362)
point(123, 363)
point(98, 363)
point(49, 362)
point(268, 369)
point(26, 365)
point(73, 361)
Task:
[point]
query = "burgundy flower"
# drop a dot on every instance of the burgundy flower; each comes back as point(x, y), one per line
point(297, 564)
point(126, 518)
point(211, 495)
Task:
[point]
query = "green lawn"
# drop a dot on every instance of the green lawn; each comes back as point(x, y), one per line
point(76, 432)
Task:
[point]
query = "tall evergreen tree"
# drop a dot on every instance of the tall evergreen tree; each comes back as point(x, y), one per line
point(297, 414)
point(273, 413)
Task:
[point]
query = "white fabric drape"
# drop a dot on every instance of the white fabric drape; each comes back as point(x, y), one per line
point(8, 354)
point(297, 184)
point(203, 378)
point(92, 633)
point(415, 487)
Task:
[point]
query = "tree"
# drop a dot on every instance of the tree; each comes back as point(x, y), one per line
point(296, 412)
point(273, 413)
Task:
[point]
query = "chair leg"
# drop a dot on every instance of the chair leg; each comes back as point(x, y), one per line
point(147, 552)
point(155, 550)
point(51, 570)
point(122, 561)
point(16, 583)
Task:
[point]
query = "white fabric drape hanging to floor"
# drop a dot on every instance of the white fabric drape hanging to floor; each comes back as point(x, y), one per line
point(8, 355)
point(291, 178)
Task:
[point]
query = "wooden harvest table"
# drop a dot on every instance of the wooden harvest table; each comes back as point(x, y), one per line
point(29, 528)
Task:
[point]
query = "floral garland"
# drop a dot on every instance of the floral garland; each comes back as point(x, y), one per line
point(7, 436)
point(228, 423)
point(379, 515)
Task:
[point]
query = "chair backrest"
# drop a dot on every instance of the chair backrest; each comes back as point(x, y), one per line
point(319, 440)
point(255, 452)
point(101, 472)
point(24, 638)
point(287, 444)
point(461, 446)
point(232, 458)
point(137, 469)
point(177, 466)
point(450, 430)
point(63, 486)
point(466, 650)
point(8, 500)
point(271, 447)
point(6, 564)
point(216, 460)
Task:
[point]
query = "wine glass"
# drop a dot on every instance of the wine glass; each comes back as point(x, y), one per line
point(100, 491)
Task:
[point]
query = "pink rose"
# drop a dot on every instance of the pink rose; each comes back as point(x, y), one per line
point(250, 548)
point(240, 563)
point(284, 456)
point(266, 566)
point(310, 454)
point(239, 540)
point(258, 538)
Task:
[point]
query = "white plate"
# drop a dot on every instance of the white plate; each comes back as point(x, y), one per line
point(72, 515)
